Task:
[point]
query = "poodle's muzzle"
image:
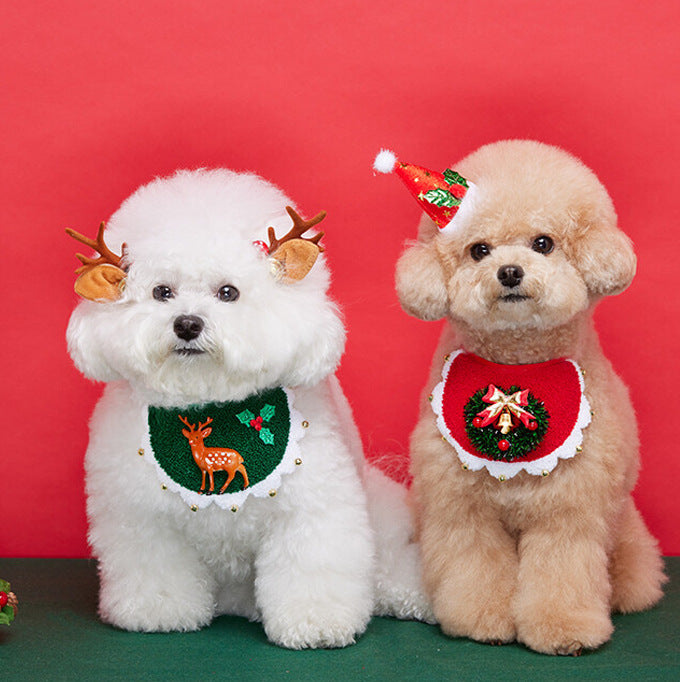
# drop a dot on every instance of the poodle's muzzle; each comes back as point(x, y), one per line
point(511, 276)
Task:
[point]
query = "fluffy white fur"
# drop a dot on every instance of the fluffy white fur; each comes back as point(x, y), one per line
point(303, 562)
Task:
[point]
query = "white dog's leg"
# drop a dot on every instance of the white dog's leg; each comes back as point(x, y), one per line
point(399, 590)
point(151, 577)
point(151, 581)
point(314, 584)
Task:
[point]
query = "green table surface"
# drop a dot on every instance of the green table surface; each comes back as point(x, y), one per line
point(57, 636)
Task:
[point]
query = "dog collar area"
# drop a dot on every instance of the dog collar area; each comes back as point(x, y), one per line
point(222, 453)
point(511, 418)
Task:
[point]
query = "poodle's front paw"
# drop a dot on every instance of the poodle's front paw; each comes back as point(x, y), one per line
point(156, 611)
point(482, 615)
point(315, 631)
point(492, 626)
point(566, 634)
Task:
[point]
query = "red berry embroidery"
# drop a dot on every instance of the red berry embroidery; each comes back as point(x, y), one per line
point(3, 599)
point(503, 445)
point(257, 423)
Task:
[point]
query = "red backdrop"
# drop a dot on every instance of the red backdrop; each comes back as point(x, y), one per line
point(99, 97)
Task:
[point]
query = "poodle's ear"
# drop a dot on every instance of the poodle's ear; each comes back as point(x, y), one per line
point(421, 285)
point(606, 260)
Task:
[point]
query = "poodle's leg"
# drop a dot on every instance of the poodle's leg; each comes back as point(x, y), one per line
point(563, 588)
point(151, 580)
point(470, 570)
point(636, 566)
point(314, 568)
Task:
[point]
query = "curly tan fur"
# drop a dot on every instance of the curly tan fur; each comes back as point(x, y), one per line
point(540, 560)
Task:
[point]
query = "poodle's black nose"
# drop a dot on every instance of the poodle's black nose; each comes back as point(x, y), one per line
point(510, 275)
point(188, 327)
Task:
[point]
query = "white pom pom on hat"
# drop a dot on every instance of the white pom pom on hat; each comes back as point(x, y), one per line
point(384, 161)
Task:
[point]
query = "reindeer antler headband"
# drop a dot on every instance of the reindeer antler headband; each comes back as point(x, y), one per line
point(103, 278)
point(294, 253)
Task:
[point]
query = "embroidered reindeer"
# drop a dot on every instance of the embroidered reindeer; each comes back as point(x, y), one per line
point(210, 460)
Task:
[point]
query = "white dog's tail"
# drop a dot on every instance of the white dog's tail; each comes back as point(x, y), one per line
point(398, 586)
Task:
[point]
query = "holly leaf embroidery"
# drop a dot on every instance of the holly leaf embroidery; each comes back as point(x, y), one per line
point(267, 412)
point(454, 178)
point(245, 416)
point(266, 436)
point(440, 197)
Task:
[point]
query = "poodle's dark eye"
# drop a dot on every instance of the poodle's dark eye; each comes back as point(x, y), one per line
point(543, 244)
point(163, 292)
point(479, 251)
point(228, 293)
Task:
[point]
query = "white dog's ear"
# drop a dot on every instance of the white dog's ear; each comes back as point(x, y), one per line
point(84, 337)
point(605, 258)
point(294, 254)
point(421, 285)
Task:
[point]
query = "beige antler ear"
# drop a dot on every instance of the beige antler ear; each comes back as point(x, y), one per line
point(294, 253)
point(102, 278)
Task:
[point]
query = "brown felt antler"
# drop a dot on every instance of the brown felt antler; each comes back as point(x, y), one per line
point(296, 254)
point(101, 278)
point(300, 226)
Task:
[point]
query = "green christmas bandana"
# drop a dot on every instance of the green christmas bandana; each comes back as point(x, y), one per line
point(221, 453)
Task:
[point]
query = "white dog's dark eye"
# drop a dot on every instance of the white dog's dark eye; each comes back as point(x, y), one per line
point(543, 244)
point(479, 251)
point(228, 293)
point(162, 292)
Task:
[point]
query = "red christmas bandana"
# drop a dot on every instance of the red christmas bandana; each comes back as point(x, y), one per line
point(509, 418)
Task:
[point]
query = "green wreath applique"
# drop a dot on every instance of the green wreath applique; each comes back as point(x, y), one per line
point(505, 424)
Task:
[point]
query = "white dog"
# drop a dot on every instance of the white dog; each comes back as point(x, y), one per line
point(206, 333)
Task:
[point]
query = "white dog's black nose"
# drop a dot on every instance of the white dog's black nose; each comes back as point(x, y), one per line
point(188, 327)
point(510, 275)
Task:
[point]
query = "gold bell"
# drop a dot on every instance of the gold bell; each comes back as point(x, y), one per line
point(505, 422)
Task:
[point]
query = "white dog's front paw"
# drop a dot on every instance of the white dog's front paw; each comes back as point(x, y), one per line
point(316, 631)
point(156, 610)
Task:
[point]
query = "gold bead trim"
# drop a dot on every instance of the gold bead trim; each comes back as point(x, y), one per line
point(464, 467)
point(194, 508)
point(305, 424)
point(140, 452)
point(579, 448)
point(430, 397)
point(545, 473)
point(272, 493)
point(501, 478)
point(163, 486)
point(234, 508)
point(298, 461)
